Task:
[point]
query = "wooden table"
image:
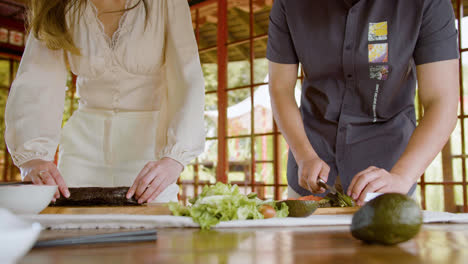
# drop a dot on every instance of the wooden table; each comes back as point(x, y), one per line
point(442, 243)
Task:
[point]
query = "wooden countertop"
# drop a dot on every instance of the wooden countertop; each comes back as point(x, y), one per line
point(443, 243)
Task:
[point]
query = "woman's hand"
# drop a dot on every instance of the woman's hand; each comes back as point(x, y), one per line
point(155, 177)
point(374, 179)
point(44, 172)
point(310, 170)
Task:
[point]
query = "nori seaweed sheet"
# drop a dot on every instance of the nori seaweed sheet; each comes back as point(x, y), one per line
point(96, 196)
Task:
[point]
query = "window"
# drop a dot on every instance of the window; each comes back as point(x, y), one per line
point(244, 146)
point(443, 187)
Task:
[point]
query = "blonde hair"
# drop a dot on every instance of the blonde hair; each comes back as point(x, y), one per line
point(47, 21)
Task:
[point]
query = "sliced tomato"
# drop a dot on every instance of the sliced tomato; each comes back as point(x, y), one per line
point(310, 198)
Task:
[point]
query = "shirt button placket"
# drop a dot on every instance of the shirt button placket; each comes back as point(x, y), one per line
point(116, 95)
point(348, 71)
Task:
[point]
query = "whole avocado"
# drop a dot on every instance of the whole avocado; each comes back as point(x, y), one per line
point(388, 219)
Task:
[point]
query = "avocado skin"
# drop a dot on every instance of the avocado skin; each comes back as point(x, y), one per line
point(299, 208)
point(388, 219)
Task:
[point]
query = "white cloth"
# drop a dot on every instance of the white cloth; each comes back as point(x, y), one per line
point(168, 221)
point(143, 68)
point(59, 221)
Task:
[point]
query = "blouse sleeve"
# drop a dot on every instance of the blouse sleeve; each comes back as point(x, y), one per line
point(34, 109)
point(184, 135)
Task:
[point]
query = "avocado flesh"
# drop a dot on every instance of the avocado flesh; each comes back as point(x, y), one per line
point(339, 199)
point(388, 219)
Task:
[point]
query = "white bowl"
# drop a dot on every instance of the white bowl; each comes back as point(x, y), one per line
point(17, 236)
point(26, 199)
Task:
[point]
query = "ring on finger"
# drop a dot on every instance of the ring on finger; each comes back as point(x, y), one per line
point(41, 172)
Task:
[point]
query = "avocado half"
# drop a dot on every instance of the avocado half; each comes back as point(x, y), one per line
point(300, 208)
point(389, 219)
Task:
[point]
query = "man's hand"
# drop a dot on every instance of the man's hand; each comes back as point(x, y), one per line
point(374, 179)
point(309, 172)
point(44, 172)
point(283, 79)
point(155, 177)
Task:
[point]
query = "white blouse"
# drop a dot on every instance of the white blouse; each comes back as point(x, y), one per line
point(156, 67)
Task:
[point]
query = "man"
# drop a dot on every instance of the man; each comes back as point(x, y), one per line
point(361, 60)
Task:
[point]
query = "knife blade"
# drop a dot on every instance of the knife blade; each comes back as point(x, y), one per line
point(323, 184)
point(119, 237)
point(15, 183)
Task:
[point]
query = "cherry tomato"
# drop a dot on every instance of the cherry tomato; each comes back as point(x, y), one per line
point(267, 211)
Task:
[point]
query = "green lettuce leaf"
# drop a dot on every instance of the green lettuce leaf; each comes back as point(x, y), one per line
point(223, 202)
point(178, 209)
point(283, 211)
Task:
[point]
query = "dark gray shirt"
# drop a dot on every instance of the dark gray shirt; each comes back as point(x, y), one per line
point(359, 60)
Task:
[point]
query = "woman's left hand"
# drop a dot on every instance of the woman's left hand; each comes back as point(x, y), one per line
point(375, 179)
point(154, 178)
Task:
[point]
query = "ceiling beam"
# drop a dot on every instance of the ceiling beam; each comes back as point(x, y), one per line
point(211, 57)
point(245, 18)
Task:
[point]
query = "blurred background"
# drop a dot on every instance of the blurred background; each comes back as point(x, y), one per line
point(244, 146)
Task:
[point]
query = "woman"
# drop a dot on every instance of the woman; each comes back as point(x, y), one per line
point(140, 115)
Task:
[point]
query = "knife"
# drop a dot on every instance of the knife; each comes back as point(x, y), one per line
point(15, 183)
point(323, 184)
point(343, 198)
point(119, 237)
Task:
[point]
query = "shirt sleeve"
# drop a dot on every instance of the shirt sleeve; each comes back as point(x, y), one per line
point(34, 109)
point(280, 44)
point(184, 136)
point(437, 40)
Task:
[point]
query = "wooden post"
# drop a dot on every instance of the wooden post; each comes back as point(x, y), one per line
point(252, 103)
point(222, 94)
point(73, 90)
point(6, 158)
point(449, 196)
point(276, 161)
point(196, 167)
point(462, 107)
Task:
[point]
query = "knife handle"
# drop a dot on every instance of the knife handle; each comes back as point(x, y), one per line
point(322, 183)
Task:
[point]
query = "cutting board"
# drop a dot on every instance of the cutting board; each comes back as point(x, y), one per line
point(146, 209)
point(160, 209)
point(336, 210)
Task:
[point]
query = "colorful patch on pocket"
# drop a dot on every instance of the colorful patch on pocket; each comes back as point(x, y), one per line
point(378, 53)
point(378, 31)
point(379, 72)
